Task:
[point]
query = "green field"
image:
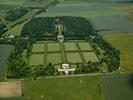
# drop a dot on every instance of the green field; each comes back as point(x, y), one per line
point(53, 47)
point(54, 58)
point(5, 51)
point(85, 46)
point(70, 46)
point(74, 57)
point(16, 31)
point(123, 42)
point(117, 87)
point(90, 56)
point(36, 59)
point(69, 88)
point(38, 47)
point(56, 53)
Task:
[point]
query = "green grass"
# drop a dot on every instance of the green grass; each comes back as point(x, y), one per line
point(16, 31)
point(54, 58)
point(90, 56)
point(123, 42)
point(39, 47)
point(36, 59)
point(14, 98)
point(117, 87)
point(70, 46)
point(53, 47)
point(69, 88)
point(85, 46)
point(74, 57)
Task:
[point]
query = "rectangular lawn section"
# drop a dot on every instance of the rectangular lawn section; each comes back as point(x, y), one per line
point(68, 88)
point(36, 59)
point(53, 47)
point(85, 46)
point(70, 46)
point(90, 56)
point(74, 57)
point(38, 48)
point(54, 58)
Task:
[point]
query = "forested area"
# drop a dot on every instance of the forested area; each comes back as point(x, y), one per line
point(15, 14)
point(45, 26)
point(2, 28)
point(111, 55)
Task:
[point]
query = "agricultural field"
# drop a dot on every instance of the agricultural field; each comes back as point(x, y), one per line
point(112, 24)
point(47, 52)
point(12, 2)
point(123, 42)
point(69, 88)
point(5, 51)
point(117, 87)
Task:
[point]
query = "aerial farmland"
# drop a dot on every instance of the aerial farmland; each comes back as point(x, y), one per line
point(66, 50)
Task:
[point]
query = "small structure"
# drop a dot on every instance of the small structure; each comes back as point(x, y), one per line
point(60, 38)
point(66, 68)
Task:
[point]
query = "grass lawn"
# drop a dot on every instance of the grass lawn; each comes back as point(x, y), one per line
point(38, 47)
point(16, 31)
point(53, 47)
point(74, 57)
point(123, 42)
point(84, 46)
point(70, 46)
point(90, 56)
point(36, 59)
point(117, 87)
point(69, 88)
point(54, 58)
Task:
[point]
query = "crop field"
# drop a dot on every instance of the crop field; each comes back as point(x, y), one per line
point(117, 87)
point(36, 59)
point(12, 2)
point(84, 9)
point(111, 24)
point(56, 53)
point(10, 89)
point(38, 47)
point(123, 42)
point(53, 47)
point(70, 46)
point(69, 88)
point(90, 56)
point(85, 46)
point(74, 57)
point(5, 51)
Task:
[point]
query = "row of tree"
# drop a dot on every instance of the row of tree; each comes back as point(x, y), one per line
point(2, 28)
point(111, 55)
